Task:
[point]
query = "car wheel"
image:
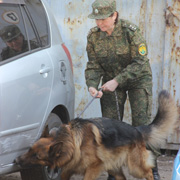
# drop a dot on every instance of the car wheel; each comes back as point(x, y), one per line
point(44, 173)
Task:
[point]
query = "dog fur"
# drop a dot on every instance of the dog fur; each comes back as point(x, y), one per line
point(91, 146)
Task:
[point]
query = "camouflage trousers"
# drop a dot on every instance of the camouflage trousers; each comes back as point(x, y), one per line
point(140, 103)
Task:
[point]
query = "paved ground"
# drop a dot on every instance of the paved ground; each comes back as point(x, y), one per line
point(165, 165)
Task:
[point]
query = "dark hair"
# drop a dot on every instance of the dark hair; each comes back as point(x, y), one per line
point(116, 20)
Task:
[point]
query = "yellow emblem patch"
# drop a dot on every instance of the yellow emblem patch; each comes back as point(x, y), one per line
point(142, 49)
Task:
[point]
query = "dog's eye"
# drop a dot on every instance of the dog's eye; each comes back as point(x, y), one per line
point(36, 156)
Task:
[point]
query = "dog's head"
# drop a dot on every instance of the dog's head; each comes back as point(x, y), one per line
point(38, 154)
point(50, 150)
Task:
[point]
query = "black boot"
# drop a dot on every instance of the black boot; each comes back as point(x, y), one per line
point(110, 177)
point(155, 172)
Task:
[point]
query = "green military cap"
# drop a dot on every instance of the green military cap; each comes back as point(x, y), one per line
point(102, 9)
point(10, 32)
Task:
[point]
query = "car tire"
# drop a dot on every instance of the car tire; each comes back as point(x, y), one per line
point(43, 173)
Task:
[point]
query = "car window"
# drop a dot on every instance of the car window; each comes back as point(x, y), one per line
point(32, 37)
point(23, 28)
point(38, 15)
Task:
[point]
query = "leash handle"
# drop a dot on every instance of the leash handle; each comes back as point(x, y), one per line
point(100, 89)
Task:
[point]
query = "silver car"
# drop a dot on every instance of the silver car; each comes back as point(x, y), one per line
point(36, 81)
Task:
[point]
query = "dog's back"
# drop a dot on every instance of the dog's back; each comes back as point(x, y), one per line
point(114, 133)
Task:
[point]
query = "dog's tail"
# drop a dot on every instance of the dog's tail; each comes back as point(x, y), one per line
point(163, 124)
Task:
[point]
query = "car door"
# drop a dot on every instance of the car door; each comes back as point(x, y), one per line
point(25, 81)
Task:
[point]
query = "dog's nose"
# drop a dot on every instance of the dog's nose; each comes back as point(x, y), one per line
point(16, 161)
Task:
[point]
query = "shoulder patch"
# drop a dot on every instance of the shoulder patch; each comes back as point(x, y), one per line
point(142, 49)
point(92, 30)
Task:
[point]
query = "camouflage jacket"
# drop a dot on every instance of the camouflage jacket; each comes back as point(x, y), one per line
point(121, 56)
point(8, 52)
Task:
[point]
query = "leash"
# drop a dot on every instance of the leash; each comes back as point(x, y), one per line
point(89, 103)
point(117, 106)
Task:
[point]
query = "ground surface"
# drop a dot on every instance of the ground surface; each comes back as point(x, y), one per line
point(165, 165)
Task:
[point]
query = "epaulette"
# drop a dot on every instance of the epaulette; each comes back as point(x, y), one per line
point(132, 27)
point(92, 30)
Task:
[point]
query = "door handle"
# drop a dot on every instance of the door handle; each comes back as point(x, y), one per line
point(44, 70)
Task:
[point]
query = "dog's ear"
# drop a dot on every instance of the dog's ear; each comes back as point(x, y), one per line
point(45, 133)
point(55, 150)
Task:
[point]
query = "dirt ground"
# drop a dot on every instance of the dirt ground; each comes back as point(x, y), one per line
point(165, 165)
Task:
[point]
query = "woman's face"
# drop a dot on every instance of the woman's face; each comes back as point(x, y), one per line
point(107, 25)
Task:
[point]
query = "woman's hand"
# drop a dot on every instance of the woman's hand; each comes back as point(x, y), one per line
point(110, 85)
point(93, 91)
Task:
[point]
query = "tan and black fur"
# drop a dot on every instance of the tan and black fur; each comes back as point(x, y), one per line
point(91, 146)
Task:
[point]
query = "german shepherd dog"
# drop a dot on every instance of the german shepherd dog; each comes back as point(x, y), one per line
point(91, 146)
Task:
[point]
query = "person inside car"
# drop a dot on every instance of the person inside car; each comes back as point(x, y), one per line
point(15, 41)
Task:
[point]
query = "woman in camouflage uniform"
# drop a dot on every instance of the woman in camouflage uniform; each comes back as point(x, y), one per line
point(117, 53)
